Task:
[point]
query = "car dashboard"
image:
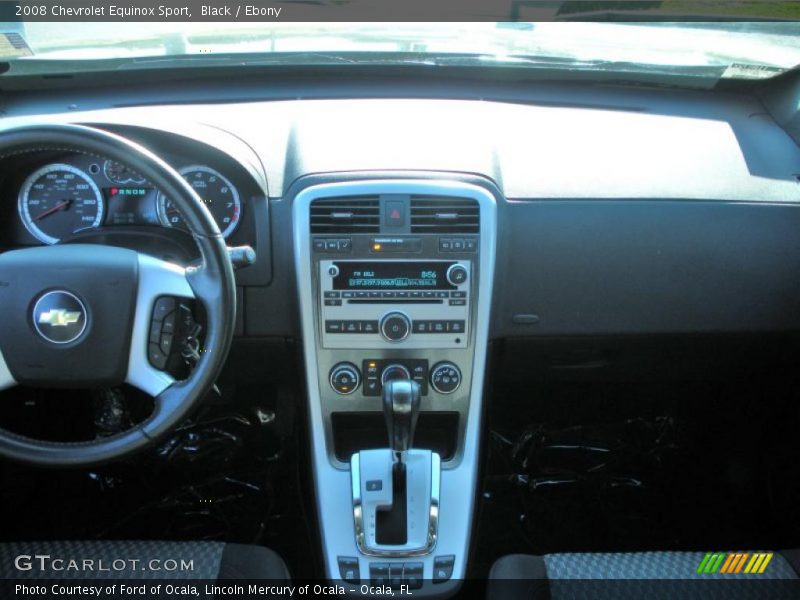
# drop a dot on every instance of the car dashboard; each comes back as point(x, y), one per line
point(405, 237)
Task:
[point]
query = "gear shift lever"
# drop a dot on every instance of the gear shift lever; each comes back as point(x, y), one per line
point(396, 490)
point(401, 400)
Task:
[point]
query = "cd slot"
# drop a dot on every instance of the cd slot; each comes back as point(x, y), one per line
point(393, 301)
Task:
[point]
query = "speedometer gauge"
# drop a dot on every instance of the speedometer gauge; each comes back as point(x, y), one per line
point(57, 200)
point(215, 190)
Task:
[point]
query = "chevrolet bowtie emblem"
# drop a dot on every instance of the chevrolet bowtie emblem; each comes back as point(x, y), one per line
point(59, 317)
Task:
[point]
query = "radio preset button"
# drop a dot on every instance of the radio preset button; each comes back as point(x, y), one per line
point(458, 302)
point(455, 327)
point(333, 302)
point(333, 327)
point(395, 327)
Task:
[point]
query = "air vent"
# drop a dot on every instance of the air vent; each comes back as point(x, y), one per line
point(346, 215)
point(440, 214)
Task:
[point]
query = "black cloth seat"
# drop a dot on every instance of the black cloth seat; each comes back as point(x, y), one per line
point(648, 575)
point(136, 559)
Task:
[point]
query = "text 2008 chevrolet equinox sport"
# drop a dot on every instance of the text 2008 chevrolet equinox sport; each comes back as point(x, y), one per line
point(503, 310)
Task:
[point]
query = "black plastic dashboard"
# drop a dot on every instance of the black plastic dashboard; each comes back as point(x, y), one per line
point(623, 210)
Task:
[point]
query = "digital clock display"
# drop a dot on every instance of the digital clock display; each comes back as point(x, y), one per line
point(358, 275)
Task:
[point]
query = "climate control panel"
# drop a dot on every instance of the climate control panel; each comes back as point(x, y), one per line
point(345, 378)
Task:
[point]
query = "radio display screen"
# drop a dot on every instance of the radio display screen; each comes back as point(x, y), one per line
point(365, 275)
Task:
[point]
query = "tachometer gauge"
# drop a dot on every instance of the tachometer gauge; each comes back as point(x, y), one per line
point(57, 200)
point(119, 173)
point(218, 193)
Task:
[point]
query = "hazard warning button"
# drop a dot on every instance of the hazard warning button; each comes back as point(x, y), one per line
point(394, 213)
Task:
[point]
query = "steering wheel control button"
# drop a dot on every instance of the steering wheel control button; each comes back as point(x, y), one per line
point(59, 317)
point(395, 327)
point(163, 324)
point(445, 377)
point(163, 306)
point(156, 357)
point(456, 274)
point(443, 568)
point(345, 378)
point(348, 569)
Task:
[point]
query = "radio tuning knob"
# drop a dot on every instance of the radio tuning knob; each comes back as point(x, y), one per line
point(395, 327)
point(456, 274)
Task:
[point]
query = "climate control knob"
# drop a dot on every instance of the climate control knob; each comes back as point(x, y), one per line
point(395, 327)
point(345, 378)
point(445, 377)
point(393, 372)
point(456, 274)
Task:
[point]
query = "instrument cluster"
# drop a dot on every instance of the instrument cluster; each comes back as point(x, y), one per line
point(62, 198)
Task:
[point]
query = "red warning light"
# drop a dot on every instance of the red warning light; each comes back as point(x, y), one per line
point(114, 191)
point(395, 214)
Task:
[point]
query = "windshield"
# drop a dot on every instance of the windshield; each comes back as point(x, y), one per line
point(749, 49)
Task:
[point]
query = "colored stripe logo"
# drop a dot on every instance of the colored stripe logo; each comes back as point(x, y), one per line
point(734, 562)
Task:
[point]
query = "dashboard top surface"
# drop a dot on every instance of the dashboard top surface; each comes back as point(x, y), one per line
point(610, 144)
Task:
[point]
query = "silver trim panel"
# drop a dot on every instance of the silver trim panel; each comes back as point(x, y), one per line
point(433, 511)
point(333, 486)
point(6, 378)
point(156, 278)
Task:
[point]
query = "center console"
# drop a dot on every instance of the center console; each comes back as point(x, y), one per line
point(395, 281)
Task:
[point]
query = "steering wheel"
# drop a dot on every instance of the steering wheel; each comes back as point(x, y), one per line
point(80, 315)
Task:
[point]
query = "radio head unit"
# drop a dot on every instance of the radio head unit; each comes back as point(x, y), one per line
point(383, 303)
